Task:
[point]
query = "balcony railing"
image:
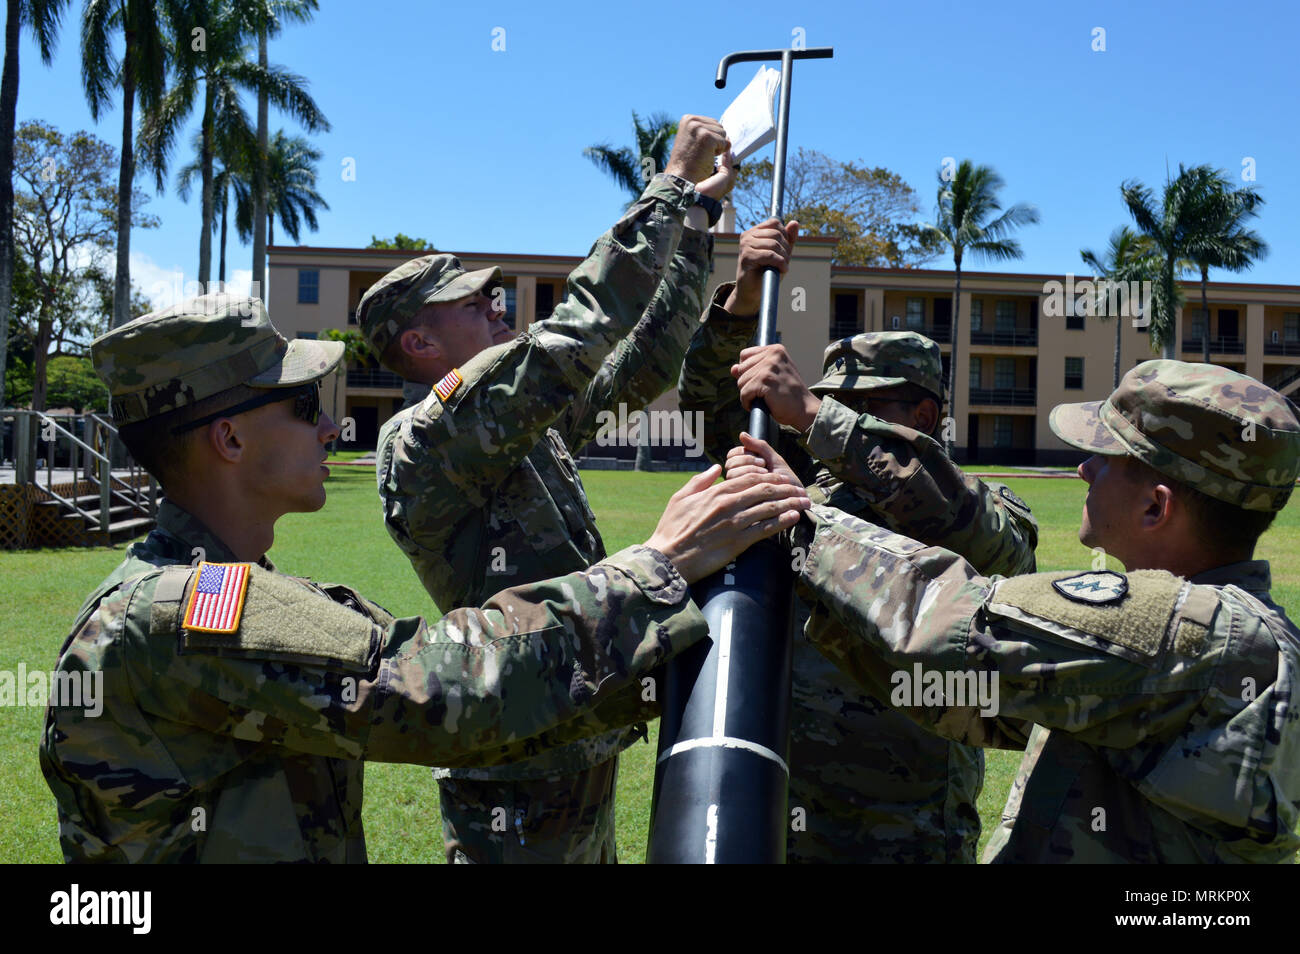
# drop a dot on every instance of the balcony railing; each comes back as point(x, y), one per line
point(942, 334)
point(844, 329)
point(1218, 345)
point(1011, 339)
point(1013, 397)
point(1283, 347)
point(373, 378)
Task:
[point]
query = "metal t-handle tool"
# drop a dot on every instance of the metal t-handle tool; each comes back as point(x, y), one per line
point(721, 782)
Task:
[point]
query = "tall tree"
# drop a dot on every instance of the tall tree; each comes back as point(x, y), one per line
point(1173, 225)
point(234, 149)
point(265, 18)
point(290, 189)
point(1224, 241)
point(65, 214)
point(965, 222)
point(142, 75)
point(1128, 258)
point(869, 210)
point(42, 18)
point(633, 167)
point(402, 242)
point(217, 69)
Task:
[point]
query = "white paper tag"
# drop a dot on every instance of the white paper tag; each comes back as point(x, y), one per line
point(750, 120)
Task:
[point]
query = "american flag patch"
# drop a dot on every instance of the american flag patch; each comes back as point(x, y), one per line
point(448, 385)
point(218, 598)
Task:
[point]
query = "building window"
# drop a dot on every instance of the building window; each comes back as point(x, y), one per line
point(1073, 374)
point(844, 323)
point(975, 372)
point(916, 314)
point(1002, 430)
point(1074, 322)
point(1198, 324)
point(1291, 327)
point(1005, 318)
point(308, 286)
point(309, 335)
point(1004, 373)
point(976, 315)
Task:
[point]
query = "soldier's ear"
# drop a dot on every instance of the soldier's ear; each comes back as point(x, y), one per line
point(927, 415)
point(223, 439)
point(420, 344)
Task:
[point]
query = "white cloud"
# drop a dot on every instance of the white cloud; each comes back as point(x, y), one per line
point(165, 286)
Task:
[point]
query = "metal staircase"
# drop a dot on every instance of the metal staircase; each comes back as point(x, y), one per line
point(74, 484)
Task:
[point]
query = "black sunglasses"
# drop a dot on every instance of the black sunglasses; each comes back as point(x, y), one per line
point(306, 406)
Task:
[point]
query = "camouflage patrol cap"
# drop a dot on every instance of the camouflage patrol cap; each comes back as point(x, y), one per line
point(392, 301)
point(881, 359)
point(1221, 432)
point(178, 356)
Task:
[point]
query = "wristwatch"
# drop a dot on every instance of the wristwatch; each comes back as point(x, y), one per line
point(711, 206)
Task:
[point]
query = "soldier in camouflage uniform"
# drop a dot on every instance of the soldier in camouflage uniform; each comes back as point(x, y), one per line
point(239, 735)
point(1157, 706)
point(873, 786)
point(478, 484)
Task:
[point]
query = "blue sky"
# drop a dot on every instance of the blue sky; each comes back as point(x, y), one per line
point(481, 150)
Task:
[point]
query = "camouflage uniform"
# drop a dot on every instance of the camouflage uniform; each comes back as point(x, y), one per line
point(1158, 713)
point(480, 490)
point(247, 745)
point(874, 786)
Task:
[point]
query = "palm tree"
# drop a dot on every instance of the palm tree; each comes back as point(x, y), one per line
point(626, 166)
point(265, 18)
point(1128, 258)
point(290, 189)
point(234, 147)
point(142, 74)
point(221, 69)
point(1184, 214)
point(1226, 242)
point(42, 18)
point(966, 202)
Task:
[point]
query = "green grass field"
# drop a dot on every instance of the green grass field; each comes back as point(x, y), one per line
point(347, 542)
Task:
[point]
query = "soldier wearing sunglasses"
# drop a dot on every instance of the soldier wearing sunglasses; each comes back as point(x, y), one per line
point(236, 704)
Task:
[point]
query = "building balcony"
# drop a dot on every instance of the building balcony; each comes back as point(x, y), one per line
point(941, 334)
point(1291, 348)
point(1218, 345)
point(373, 378)
point(1004, 397)
point(1020, 338)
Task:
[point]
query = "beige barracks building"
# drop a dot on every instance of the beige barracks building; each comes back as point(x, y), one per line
point(1018, 352)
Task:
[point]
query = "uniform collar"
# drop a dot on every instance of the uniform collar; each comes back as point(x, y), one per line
point(181, 532)
point(1253, 576)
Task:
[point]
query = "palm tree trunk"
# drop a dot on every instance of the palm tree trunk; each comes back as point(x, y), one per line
point(8, 117)
point(270, 229)
point(41, 358)
point(259, 180)
point(952, 362)
point(1205, 315)
point(225, 204)
point(125, 182)
point(205, 161)
point(1119, 326)
point(1169, 283)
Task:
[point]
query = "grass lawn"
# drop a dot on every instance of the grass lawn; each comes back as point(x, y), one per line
point(347, 542)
